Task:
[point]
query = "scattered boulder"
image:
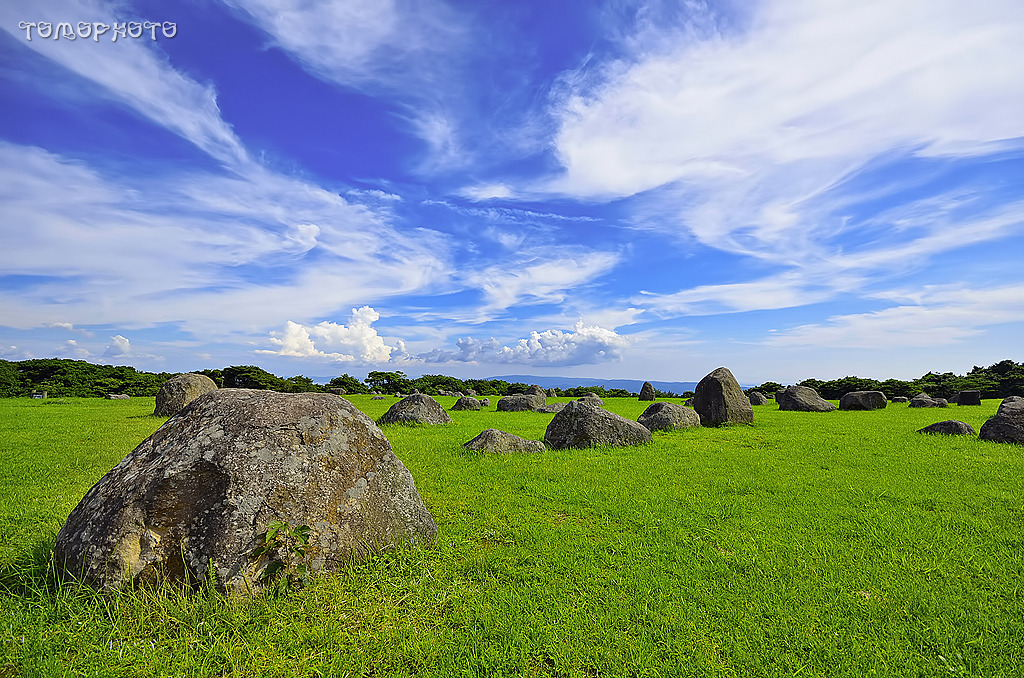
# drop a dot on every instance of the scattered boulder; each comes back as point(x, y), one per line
point(536, 391)
point(199, 494)
point(377, 398)
point(521, 403)
point(901, 399)
point(863, 400)
point(551, 393)
point(485, 402)
point(418, 408)
point(646, 391)
point(951, 427)
point(339, 391)
point(466, 403)
point(582, 425)
point(179, 391)
point(953, 399)
point(969, 398)
point(493, 440)
point(925, 400)
point(719, 399)
point(592, 399)
point(802, 399)
point(757, 398)
point(551, 408)
point(470, 392)
point(665, 416)
point(1007, 426)
point(118, 396)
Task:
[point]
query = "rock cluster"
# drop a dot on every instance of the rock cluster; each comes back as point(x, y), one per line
point(205, 486)
point(925, 400)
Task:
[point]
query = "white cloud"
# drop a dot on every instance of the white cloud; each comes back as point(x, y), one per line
point(539, 280)
point(586, 345)
point(119, 346)
point(941, 316)
point(355, 342)
point(487, 192)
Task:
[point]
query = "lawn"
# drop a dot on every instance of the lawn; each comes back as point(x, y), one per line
point(833, 544)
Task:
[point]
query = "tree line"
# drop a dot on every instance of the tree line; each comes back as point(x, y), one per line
point(61, 377)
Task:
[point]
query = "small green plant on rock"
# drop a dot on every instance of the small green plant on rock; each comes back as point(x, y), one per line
point(286, 544)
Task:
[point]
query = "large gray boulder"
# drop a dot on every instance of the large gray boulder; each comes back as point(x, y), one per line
point(901, 399)
point(583, 425)
point(521, 403)
point(179, 391)
point(802, 399)
point(592, 399)
point(863, 400)
point(500, 442)
point(1007, 426)
point(646, 391)
point(968, 398)
point(925, 400)
point(719, 399)
point(666, 416)
point(466, 403)
point(202, 490)
point(757, 398)
point(416, 409)
point(951, 427)
point(536, 391)
point(550, 408)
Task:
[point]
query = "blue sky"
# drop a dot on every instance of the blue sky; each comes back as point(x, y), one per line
point(790, 188)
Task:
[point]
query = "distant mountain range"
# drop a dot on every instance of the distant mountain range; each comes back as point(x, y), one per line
point(632, 385)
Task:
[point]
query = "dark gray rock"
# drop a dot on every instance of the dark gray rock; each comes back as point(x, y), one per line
point(646, 391)
point(466, 403)
point(802, 399)
point(666, 416)
point(863, 400)
point(969, 398)
point(485, 402)
point(757, 398)
point(470, 392)
point(719, 399)
point(583, 425)
point(521, 403)
point(377, 397)
point(592, 399)
point(179, 391)
point(536, 391)
point(551, 393)
point(416, 409)
point(925, 400)
point(206, 485)
point(901, 399)
point(551, 408)
point(1007, 426)
point(951, 427)
point(500, 442)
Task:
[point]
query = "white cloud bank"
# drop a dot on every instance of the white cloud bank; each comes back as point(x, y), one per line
point(585, 345)
point(355, 342)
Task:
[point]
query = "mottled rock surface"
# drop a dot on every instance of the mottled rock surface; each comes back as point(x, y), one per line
point(179, 391)
point(757, 398)
point(592, 399)
point(968, 398)
point(583, 425)
point(901, 399)
point(500, 442)
point(536, 391)
point(205, 486)
point(551, 408)
point(646, 391)
point(719, 399)
point(666, 416)
point(863, 400)
point(952, 427)
point(802, 399)
point(1007, 426)
point(416, 409)
point(466, 403)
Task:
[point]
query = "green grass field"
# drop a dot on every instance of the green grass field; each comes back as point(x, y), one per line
point(836, 544)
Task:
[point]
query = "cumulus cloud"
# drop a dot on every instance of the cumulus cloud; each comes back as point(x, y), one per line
point(119, 346)
point(355, 342)
point(585, 345)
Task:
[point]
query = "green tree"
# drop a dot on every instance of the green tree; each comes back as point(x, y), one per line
point(388, 382)
point(251, 376)
point(349, 383)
